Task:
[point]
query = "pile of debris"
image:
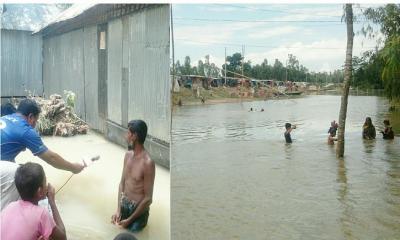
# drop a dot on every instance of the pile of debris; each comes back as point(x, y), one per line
point(58, 118)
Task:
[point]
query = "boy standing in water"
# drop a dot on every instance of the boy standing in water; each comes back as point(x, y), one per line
point(24, 219)
point(289, 128)
point(136, 187)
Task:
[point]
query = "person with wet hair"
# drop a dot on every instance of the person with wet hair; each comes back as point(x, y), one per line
point(25, 219)
point(135, 193)
point(369, 131)
point(289, 129)
point(388, 131)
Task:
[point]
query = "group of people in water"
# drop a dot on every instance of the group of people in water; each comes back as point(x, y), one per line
point(24, 185)
point(368, 132)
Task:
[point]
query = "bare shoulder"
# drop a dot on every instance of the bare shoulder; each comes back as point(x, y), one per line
point(148, 162)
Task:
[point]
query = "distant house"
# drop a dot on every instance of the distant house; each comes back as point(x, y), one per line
point(194, 81)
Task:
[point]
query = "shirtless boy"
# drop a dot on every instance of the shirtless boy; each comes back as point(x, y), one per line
point(136, 187)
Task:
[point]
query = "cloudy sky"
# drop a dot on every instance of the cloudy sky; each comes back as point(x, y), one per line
point(313, 33)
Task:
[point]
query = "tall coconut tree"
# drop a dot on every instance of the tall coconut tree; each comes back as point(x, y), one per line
point(347, 80)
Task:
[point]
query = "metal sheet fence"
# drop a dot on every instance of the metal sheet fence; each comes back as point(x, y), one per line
point(138, 70)
point(21, 63)
point(138, 84)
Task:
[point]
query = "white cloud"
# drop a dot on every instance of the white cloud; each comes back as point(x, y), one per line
point(212, 33)
point(273, 32)
point(218, 9)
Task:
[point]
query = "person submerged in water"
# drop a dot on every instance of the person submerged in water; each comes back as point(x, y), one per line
point(289, 129)
point(332, 138)
point(387, 132)
point(369, 131)
point(333, 128)
point(135, 192)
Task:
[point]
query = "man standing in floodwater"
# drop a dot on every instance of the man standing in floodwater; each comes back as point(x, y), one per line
point(289, 129)
point(135, 191)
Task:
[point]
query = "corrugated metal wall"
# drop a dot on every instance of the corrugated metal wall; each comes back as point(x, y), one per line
point(91, 78)
point(138, 70)
point(63, 67)
point(21, 63)
point(138, 85)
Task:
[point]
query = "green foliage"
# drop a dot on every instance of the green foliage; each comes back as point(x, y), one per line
point(391, 70)
point(367, 71)
point(385, 62)
point(294, 71)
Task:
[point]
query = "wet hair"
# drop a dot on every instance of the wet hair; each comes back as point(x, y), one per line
point(125, 236)
point(288, 125)
point(28, 179)
point(140, 128)
point(28, 106)
point(368, 122)
point(7, 108)
point(386, 122)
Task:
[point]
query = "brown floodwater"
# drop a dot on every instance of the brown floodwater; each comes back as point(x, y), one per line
point(234, 177)
point(88, 200)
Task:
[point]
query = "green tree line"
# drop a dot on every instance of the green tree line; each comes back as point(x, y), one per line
point(292, 70)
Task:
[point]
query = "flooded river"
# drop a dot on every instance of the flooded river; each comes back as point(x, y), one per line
point(88, 200)
point(233, 176)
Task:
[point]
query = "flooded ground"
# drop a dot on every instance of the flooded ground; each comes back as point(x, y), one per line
point(88, 200)
point(233, 176)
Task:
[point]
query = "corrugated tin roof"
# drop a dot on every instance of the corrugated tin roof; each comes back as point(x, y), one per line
point(27, 17)
point(72, 12)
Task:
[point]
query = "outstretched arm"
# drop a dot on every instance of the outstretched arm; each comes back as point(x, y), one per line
point(57, 161)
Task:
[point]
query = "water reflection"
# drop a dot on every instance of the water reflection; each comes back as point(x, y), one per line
point(345, 219)
point(234, 177)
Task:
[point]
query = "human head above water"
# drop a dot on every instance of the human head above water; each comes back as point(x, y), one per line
point(139, 128)
point(386, 122)
point(29, 178)
point(288, 125)
point(368, 122)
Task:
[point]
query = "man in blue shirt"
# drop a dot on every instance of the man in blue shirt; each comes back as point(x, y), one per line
point(17, 133)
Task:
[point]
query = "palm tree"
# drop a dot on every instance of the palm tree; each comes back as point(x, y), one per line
point(347, 79)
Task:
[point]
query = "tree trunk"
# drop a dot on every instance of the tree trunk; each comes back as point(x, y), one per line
point(347, 79)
